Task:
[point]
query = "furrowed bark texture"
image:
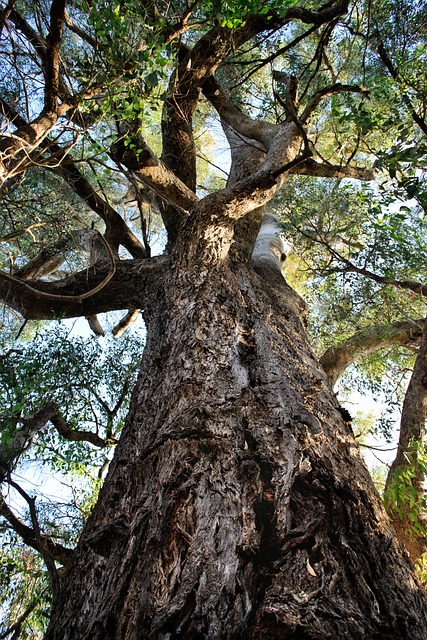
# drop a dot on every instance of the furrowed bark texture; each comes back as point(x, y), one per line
point(237, 505)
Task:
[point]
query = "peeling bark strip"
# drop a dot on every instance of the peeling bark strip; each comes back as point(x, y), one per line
point(237, 505)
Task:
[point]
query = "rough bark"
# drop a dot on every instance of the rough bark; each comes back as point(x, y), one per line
point(237, 504)
point(231, 510)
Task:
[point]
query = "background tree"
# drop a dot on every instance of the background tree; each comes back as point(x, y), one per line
point(237, 503)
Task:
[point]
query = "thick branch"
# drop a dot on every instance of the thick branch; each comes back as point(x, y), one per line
point(197, 65)
point(48, 260)
point(336, 359)
point(127, 320)
point(262, 131)
point(95, 325)
point(246, 159)
point(5, 13)
point(154, 173)
point(27, 30)
point(325, 170)
point(117, 231)
point(132, 282)
point(207, 235)
point(53, 42)
point(74, 435)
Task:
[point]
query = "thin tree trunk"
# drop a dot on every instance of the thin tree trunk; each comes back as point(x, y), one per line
point(237, 504)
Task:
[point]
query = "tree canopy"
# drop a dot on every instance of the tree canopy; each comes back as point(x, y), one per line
point(129, 128)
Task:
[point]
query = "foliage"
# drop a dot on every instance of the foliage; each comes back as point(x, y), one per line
point(402, 496)
point(91, 382)
point(24, 586)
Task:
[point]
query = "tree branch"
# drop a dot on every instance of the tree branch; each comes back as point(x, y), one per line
point(332, 89)
point(12, 450)
point(64, 297)
point(53, 42)
point(5, 13)
point(394, 74)
point(16, 627)
point(95, 325)
point(127, 320)
point(74, 435)
point(117, 232)
point(79, 32)
point(336, 359)
point(197, 65)
point(44, 548)
point(259, 130)
point(325, 170)
point(128, 288)
point(411, 436)
point(416, 287)
point(58, 552)
point(153, 172)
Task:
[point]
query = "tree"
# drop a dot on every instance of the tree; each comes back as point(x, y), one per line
point(237, 503)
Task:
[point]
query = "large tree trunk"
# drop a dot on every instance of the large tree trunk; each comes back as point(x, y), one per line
point(237, 504)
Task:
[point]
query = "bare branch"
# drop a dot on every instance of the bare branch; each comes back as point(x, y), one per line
point(336, 359)
point(47, 261)
point(79, 32)
point(5, 13)
point(53, 42)
point(117, 232)
point(17, 234)
point(262, 131)
point(74, 435)
point(38, 43)
point(154, 173)
point(65, 298)
point(95, 325)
